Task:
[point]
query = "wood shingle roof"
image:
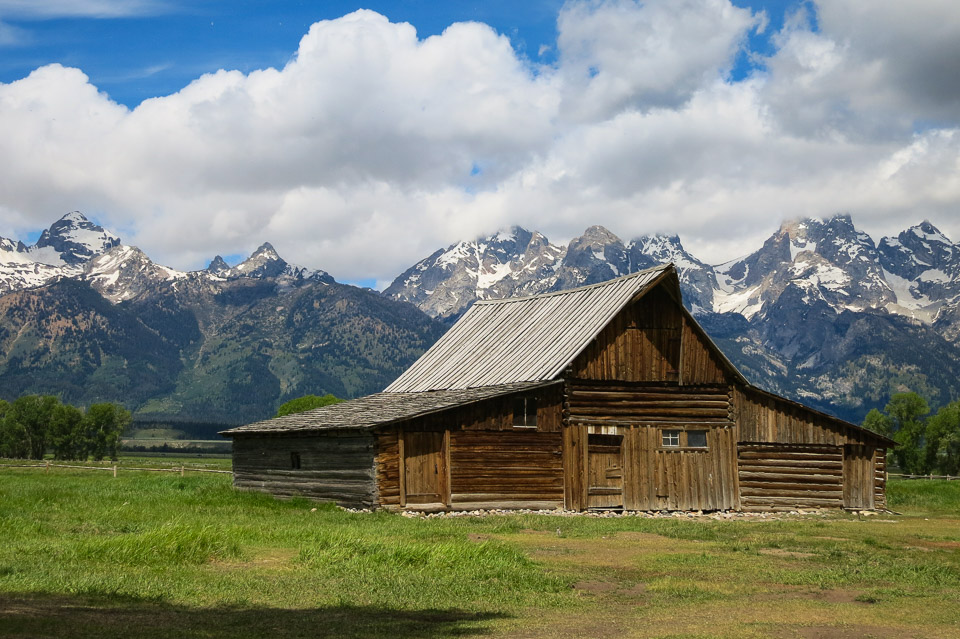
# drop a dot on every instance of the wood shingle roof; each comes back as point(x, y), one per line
point(377, 410)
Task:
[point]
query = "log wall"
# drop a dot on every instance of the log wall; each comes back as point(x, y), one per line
point(506, 470)
point(880, 479)
point(492, 462)
point(654, 477)
point(699, 362)
point(764, 418)
point(337, 467)
point(786, 477)
point(859, 476)
point(640, 344)
point(592, 402)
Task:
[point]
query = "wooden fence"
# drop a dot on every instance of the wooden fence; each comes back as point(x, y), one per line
point(46, 466)
point(947, 477)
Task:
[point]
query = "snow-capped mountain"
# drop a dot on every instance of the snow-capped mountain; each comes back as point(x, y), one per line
point(100, 321)
point(922, 267)
point(74, 247)
point(916, 275)
point(125, 273)
point(819, 312)
point(519, 262)
point(826, 260)
point(697, 279)
point(265, 262)
point(510, 263)
point(73, 239)
point(61, 251)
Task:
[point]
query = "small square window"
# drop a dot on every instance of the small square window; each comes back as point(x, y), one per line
point(525, 412)
point(671, 438)
point(697, 438)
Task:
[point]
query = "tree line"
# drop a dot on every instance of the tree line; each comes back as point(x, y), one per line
point(33, 424)
point(927, 444)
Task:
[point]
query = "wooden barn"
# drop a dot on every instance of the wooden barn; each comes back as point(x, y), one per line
point(609, 396)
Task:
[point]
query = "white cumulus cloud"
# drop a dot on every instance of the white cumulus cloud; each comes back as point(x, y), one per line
point(372, 147)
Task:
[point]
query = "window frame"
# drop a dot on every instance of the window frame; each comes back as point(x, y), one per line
point(682, 438)
point(670, 434)
point(528, 414)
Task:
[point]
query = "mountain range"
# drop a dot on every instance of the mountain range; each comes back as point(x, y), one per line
point(87, 318)
point(820, 313)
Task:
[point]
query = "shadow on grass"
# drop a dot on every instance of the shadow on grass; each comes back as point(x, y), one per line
point(76, 617)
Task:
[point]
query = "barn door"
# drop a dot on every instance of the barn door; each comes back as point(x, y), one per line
point(858, 476)
point(604, 471)
point(425, 468)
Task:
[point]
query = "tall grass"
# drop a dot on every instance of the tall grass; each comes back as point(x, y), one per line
point(926, 495)
point(195, 539)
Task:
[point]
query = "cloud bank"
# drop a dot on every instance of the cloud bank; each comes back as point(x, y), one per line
point(371, 147)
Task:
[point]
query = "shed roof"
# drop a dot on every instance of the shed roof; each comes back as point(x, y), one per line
point(523, 339)
point(378, 409)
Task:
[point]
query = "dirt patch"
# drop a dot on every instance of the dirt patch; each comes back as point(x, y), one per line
point(778, 552)
point(944, 545)
point(275, 558)
point(839, 596)
point(631, 535)
point(634, 591)
point(594, 587)
point(478, 537)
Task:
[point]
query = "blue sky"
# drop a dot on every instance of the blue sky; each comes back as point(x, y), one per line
point(356, 145)
point(156, 48)
point(160, 47)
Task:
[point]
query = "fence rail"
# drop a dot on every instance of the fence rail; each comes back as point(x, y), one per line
point(116, 467)
point(947, 477)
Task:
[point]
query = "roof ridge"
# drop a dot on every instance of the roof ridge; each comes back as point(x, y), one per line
point(506, 300)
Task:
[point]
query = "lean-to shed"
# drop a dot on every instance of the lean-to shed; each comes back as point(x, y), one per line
point(608, 396)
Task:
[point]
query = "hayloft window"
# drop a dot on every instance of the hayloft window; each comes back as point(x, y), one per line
point(696, 439)
point(295, 461)
point(525, 412)
point(670, 439)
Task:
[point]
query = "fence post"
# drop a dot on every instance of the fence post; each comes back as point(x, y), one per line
point(46, 469)
point(114, 470)
point(181, 470)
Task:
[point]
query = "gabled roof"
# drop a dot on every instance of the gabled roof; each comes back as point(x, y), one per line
point(377, 410)
point(525, 339)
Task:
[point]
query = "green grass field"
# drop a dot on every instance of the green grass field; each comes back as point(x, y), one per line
point(160, 555)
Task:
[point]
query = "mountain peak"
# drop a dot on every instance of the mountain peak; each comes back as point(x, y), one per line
point(267, 251)
point(927, 231)
point(600, 235)
point(264, 262)
point(75, 217)
point(217, 266)
point(76, 239)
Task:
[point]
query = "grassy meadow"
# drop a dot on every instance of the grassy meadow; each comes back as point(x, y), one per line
point(146, 554)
